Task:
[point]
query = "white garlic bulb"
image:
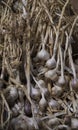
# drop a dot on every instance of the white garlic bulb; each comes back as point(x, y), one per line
point(53, 122)
point(41, 83)
point(51, 63)
point(11, 94)
point(57, 91)
point(43, 103)
point(74, 123)
point(43, 55)
point(61, 81)
point(35, 93)
point(51, 74)
point(54, 104)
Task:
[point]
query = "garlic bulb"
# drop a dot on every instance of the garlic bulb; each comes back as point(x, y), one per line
point(41, 83)
point(51, 74)
point(43, 55)
point(18, 123)
point(51, 63)
point(54, 104)
point(22, 122)
point(35, 93)
point(11, 94)
point(74, 124)
point(42, 103)
point(57, 91)
point(61, 81)
point(27, 108)
point(74, 84)
point(53, 122)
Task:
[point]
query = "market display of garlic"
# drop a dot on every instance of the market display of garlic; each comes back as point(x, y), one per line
point(38, 65)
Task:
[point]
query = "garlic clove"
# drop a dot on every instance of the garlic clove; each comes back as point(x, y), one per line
point(51, 74)
point(43, 55)
point(51, 63)
point(57, 91)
